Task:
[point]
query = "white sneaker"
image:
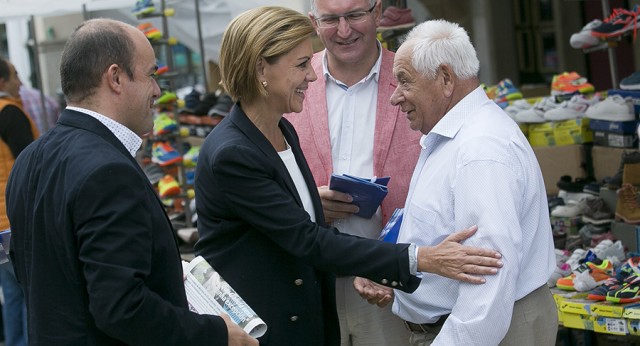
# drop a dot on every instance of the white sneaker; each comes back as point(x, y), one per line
point(575, 258)
point(607, 249)
point(573, 197)
point(561, 271)
point(571, 208)
point(574, 108)
point(517, 107)
point(536, 113)
point(613, 108)
point(584, 39)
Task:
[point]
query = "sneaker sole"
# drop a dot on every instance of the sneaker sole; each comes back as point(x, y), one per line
point(394, 27)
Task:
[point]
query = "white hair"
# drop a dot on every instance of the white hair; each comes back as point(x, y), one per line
point(438, 42)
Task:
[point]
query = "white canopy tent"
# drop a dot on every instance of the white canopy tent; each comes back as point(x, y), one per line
point(214, 17)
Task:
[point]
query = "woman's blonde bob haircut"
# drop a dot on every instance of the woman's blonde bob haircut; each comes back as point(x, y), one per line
point(265, 32)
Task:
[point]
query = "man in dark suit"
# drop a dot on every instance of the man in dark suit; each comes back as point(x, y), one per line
point(92, 245)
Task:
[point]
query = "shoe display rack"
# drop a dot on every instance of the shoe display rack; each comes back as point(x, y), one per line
point(396, 21)
point(170, 170)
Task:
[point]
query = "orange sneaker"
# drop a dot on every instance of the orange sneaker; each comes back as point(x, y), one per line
point(168, 186)
point(569, 83)
point(591, 274)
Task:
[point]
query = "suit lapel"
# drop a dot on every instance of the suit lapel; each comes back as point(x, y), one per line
point(386, 114)
point(251, 132)
point(320, 124)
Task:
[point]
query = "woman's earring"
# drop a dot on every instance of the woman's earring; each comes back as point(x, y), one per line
point(264, 84)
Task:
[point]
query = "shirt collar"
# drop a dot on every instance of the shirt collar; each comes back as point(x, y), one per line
point(128, 138)
point(374, 73)
point(453, 120)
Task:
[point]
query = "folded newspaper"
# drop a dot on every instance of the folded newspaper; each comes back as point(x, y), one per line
point(208, 293)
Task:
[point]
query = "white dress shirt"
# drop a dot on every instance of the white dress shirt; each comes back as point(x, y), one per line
point(477, 168)
point(128, 138)
point(290, 162)
point(352, 118)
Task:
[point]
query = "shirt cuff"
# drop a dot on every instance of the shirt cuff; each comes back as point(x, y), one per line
point(413, 259)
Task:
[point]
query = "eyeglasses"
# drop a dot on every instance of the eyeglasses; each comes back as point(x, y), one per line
point(355, 17)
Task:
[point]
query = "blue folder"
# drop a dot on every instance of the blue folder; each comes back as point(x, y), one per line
point(391, 230)
point(367, 193)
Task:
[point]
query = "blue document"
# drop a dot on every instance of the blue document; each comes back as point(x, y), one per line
point(367, 193)
point(391, 230)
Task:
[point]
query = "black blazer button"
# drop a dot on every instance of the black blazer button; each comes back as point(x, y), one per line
point(293, 318)
point(298, 282)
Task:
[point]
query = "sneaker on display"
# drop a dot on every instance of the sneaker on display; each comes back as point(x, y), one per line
point(627, 207)
point(629, 292)
point(631, 82)
point(570, 83)
point(613, 108)
point(163, 124)
point(584, 39)
point(506, 92)
point(629, 268)
point(516, 107)
point(164, 154)
point(597, 212)
point(168, 186)
point(143, 7)
point(396, 18)
point(609, 250)
point(576, 256)
point(535, 114)
point(588, 231)
point(619, 22)
point(561, 271)
point(570, 210)
point(587, 276)
point(574, 108)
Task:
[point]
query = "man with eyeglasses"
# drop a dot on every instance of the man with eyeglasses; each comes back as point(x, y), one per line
point(348, 126)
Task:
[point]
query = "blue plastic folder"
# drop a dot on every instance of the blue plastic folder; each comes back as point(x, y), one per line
point(367, 193)
point(389, 233)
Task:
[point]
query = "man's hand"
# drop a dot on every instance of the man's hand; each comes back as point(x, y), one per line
point(456, 261)
point(372, 292)
point(237, 336)
point(336, 205)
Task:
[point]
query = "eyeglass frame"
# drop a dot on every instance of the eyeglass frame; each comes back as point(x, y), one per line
point(345, 16)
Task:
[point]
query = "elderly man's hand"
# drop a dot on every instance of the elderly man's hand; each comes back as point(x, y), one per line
point(372, 292)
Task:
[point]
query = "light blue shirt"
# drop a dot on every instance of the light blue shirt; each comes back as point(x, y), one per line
point(477, 168)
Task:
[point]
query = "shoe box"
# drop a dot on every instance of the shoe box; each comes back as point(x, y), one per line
point(558, 133)
point(567, 225)
point(579, 313)
point(628, 234)
point(632, 315)
point(606, 161)
point(573, 131)
point(557, 161)
point(619, 134)
point(541, 135)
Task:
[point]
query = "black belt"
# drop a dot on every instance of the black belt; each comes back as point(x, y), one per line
point(426, 327)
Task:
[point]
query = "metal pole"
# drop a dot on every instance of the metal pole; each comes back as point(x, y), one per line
point(36, 62)
point(613, 61)
point(201, 43)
